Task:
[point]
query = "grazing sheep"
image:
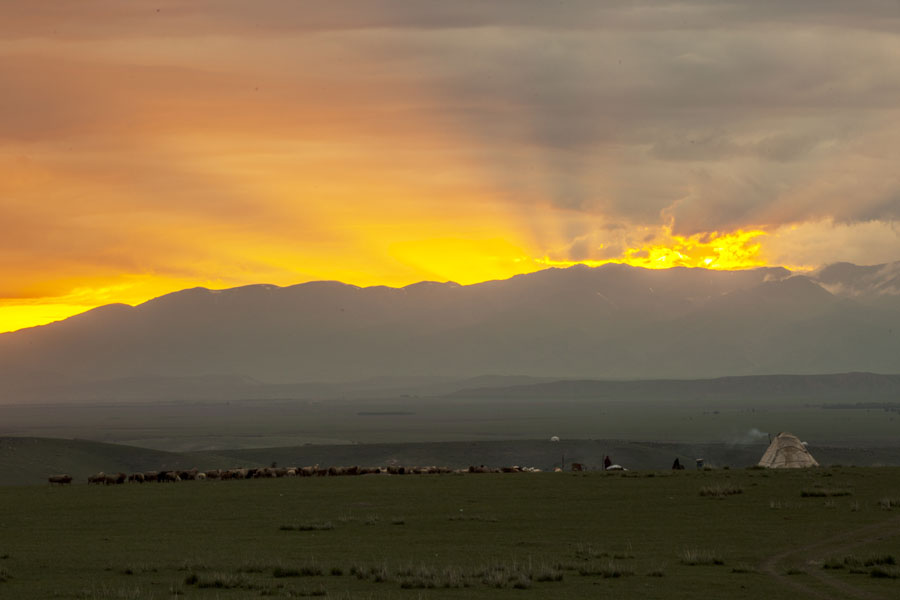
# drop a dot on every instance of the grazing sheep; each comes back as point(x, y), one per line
point(201, 476)
point(265, 472)
point(188, 475)
point(235, 474)
point(98, 478)
point(60, 479)
point(136, 478)
point(167, 476)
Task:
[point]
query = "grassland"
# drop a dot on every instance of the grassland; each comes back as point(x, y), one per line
point(637, 534)
point(212, 426)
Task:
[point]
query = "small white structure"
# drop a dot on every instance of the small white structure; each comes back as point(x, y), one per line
point(555, 438)
point(787, 452)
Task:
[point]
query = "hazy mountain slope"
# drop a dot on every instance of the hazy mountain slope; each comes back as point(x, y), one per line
point(761, 389)
point(30, 460)
point(607, 322)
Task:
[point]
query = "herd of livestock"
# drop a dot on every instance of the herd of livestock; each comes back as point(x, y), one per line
point(273, 472)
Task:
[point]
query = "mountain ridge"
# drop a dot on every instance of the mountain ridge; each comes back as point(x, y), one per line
point(604, 322)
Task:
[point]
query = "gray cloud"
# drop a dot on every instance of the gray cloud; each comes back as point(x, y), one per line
point(705, 115)
point(110, 18)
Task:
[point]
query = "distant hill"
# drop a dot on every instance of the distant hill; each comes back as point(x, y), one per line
point(760, 389)
point(30, 460)
point(609, 322)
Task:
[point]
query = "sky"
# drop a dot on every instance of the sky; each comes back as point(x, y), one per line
point(147, 147)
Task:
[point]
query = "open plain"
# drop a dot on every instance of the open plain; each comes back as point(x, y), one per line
point(724, 533)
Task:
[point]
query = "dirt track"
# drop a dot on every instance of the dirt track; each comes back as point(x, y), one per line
point(814, 553)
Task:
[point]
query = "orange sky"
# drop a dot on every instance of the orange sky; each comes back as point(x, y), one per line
point(148, 147)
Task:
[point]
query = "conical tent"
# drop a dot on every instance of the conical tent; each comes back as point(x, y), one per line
point(787, 452)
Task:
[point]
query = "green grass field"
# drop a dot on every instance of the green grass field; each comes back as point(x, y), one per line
point(213, 426)
point(640, 534)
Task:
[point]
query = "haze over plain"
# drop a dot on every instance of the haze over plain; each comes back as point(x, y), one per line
point(609, 322)
point(152, 147)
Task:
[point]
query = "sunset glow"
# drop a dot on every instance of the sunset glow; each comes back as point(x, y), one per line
point(151, 147)
point(463, 261)
point(726, 251)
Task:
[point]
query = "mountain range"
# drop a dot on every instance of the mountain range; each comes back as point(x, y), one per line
point(608, 322)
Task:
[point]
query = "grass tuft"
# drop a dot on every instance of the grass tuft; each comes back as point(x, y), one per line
point(700, 556)
point(825, 492)
point(588, 552)
point(608, 569)
point(721, 490)
point(222, 580)
point(307, 570)
point(310, 526)
point(379, 574)
point(424, 577)
point(888, 503)
point(885, 572)
point(853, 561)
point(547, 573)
point(744, 568)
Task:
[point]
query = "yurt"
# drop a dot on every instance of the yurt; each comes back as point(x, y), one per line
point(787, 452)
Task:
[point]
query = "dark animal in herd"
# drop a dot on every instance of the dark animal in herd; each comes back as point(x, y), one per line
point(60, 479)
point(102, 478)
point(273, 472)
